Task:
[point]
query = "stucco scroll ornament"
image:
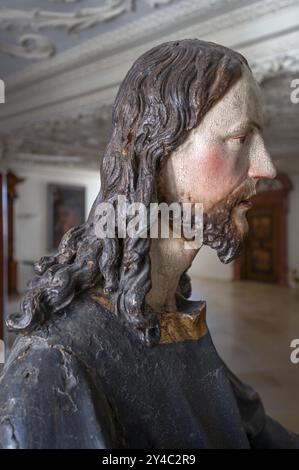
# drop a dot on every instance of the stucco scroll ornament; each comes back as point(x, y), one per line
point(77, 20)
point(64, 1)
point(268, 68)
point(35, 46)
point(31, 46)
point(157, 3)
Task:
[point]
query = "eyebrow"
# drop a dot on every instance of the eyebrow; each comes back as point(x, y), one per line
point(254, 124)
point(246, 125)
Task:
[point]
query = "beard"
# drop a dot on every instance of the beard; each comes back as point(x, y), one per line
point(225, 226)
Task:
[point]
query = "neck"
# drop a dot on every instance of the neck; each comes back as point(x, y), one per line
point(169, 260)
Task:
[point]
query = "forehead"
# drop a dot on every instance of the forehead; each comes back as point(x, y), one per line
point(244, 98)
point(242, 103)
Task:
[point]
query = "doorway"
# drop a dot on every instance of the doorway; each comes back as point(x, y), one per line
point(264, 258)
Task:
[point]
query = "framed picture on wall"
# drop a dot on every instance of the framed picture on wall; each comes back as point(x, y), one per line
point(66, 209)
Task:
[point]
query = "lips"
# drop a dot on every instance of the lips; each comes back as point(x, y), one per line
point(246, 203)
point(244, 200)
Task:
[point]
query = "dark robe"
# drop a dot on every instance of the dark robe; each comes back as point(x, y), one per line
point(85, 381)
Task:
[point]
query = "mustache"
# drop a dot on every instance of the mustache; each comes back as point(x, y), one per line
point(244, 191)
point(220, 213)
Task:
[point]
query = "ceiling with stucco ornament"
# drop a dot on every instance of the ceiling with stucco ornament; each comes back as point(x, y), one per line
point(63, 60)
point(33, 30)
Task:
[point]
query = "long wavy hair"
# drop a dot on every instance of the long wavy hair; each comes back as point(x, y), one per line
point(165, 94)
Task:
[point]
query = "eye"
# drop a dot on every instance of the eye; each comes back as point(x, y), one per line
point(240, 139)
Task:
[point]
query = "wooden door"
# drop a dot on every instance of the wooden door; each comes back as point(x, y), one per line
point(3, 268)
point(264, 258)
point(262, 250)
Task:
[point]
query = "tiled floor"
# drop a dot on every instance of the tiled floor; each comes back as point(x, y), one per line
point(252, 326)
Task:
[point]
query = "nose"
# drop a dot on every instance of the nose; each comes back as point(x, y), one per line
point(261, 165)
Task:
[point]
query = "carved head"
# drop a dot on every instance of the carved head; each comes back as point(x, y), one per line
point(219, 165)
point(186, 126)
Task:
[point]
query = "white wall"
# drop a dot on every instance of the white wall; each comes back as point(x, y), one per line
point(207, 265)
point(31, 210)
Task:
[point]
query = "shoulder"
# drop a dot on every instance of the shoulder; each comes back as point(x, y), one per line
point(48, 399)
point(93, 327)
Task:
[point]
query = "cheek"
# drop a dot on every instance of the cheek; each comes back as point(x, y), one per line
point(213, 165)
point(217, 173)
point(207, 175)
